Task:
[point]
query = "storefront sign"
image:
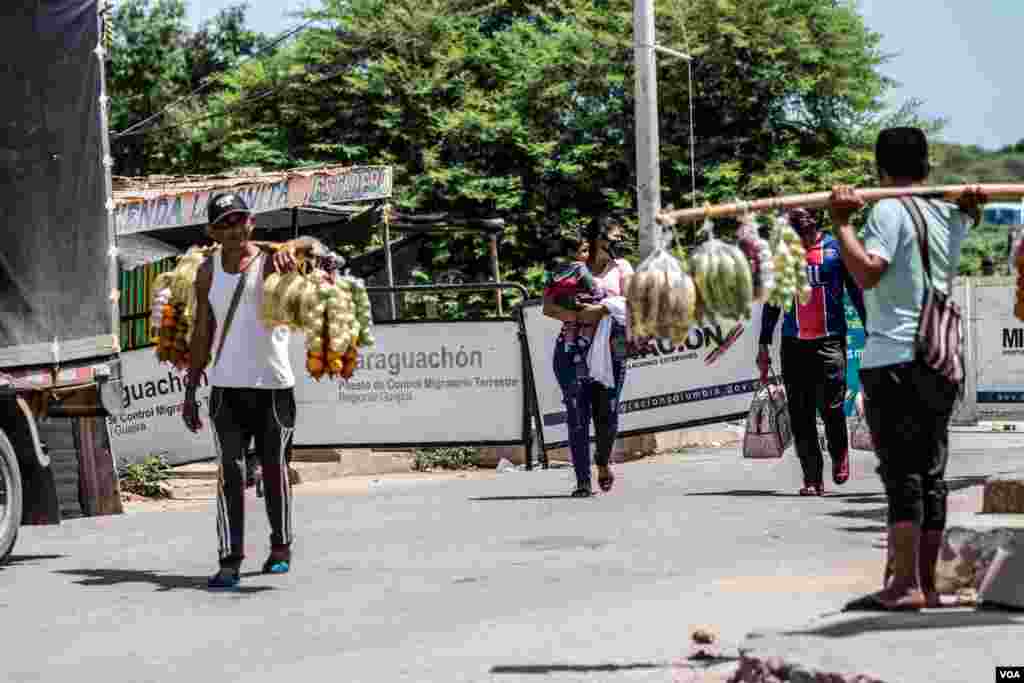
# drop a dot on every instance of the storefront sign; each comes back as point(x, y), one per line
point(341, 187)
point(331, 186)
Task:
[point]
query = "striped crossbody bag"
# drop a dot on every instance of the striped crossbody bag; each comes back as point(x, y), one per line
point(939, 340)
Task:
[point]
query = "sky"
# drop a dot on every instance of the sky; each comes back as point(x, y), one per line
point(956, 55)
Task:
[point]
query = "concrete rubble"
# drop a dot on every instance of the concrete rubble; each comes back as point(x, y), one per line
point(970, 546)
point(755, 669)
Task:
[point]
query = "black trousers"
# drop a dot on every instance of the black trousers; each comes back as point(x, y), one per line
point(908, 409)
point(814, 372)
point(239, 416)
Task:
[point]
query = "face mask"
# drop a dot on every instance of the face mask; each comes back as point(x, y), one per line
point(615, 248)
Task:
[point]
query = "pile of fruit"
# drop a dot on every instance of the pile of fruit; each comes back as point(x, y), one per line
point(662, 300)
point(724, 280)
point(790, 267)
point(171, 320)
point(661, 304)
point(331, 310)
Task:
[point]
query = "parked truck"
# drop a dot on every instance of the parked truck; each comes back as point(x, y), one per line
point(59, 350)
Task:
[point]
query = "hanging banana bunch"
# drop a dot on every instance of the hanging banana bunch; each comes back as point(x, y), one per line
point(790, 264)
point(172, 309)
point(332, 311)
point(327, 316)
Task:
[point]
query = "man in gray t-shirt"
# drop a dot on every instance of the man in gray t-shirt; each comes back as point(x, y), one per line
point(908, 404)
point(893, 307)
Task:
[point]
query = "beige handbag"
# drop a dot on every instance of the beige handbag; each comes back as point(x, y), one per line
point(768, 432)
point(860, 434)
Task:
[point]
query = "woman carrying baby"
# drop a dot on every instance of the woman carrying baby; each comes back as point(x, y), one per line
point(581, 295)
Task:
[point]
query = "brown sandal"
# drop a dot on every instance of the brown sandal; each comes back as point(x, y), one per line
point(876, 603)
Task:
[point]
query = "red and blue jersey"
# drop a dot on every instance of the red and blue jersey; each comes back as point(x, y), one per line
point(824, 314)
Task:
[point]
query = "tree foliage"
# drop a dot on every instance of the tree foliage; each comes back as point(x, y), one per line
point(525, 109)
point(957, 164)
point(157, 61)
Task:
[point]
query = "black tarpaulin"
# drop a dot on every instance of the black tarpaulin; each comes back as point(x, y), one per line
point(55, 280)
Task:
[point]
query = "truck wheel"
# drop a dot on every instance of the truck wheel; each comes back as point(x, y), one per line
point(10, 497)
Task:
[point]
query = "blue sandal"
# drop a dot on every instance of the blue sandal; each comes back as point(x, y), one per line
point(277, 566)
point(225, 579)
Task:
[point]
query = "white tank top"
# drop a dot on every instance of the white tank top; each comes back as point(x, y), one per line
point(253, 356)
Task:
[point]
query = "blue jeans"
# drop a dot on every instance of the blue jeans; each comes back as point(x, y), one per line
point(586, 399)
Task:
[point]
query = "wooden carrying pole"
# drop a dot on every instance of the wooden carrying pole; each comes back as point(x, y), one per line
point(821, 199)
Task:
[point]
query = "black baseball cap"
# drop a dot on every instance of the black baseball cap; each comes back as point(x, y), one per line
point(223, 204)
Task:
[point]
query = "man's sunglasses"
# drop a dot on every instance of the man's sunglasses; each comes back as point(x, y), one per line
point(230, 221)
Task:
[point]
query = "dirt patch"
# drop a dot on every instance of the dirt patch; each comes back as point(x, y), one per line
point(366, 484)
point(192, 494)
point(863, 577)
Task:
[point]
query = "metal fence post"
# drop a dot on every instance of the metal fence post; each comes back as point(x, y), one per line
point(496, 270)
point(388, 265)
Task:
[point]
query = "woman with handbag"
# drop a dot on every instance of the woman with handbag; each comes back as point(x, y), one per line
point(912, 366)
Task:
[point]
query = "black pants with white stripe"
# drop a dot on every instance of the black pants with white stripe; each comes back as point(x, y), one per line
point(268, 417)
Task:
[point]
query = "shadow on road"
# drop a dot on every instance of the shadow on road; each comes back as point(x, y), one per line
point(28, 559)
point(880, 513)
point(911, 622)
point(740, 493)
point(485, 499)
point(866, 529)
point(860, 498)
point(547, 669)
point(163, 582)
point(874, 514)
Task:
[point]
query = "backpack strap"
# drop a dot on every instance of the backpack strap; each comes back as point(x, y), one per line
point(921, 228)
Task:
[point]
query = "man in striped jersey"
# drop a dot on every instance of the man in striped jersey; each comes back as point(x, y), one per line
point(814, 355)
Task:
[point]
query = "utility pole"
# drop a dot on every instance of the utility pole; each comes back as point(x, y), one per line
point(648, 171)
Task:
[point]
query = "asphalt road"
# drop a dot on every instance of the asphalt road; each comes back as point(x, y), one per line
point(497, 580)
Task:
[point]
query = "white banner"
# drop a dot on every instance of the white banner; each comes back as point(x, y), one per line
point(422, 384)
point(998, 350)
point(152, 423)
point(709, 378)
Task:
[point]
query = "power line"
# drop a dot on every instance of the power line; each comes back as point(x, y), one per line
point(208, 80)
point(237, 105)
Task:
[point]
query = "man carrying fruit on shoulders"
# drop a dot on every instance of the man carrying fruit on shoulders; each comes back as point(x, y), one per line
point(252, 383)
point(814, 355)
